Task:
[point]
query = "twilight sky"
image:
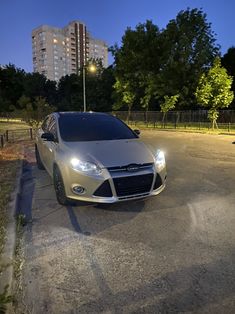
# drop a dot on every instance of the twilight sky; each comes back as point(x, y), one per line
point(105, 19)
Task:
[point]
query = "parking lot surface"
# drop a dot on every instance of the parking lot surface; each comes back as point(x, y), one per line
point(167, 254)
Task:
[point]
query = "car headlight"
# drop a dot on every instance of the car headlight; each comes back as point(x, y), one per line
point(160, 160)
point(85, 166)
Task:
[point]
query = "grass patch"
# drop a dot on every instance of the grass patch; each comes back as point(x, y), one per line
point(12, 125)
point(19, 261)
point(7, 180)
point(9, 165)
point(4, 300)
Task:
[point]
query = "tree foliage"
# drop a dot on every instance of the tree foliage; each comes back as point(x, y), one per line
point(188, 49)
point(168, 62)
point(34, 112)
point(18, 87)
point(214, 90)
point(135, 61)
point(228, 62)
point(15, 83)
point(11, 86)
point(168, 104)
point(126, 94)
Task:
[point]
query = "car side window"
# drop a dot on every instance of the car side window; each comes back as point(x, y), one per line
point(53, 129)
point(45, 124)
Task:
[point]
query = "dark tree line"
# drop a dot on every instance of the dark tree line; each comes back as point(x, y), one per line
point(150, 66)
point(17, 88)
point(153, 63)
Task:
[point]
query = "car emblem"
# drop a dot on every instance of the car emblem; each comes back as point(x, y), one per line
point(132, 168)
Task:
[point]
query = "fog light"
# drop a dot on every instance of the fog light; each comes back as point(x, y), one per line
point(77, 189)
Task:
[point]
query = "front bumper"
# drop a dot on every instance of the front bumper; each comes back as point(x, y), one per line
point(115, 185)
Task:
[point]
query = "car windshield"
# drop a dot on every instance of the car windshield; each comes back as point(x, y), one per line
point(92, 127)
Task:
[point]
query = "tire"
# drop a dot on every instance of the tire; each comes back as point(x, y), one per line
point(59, 187)
point(38, 159)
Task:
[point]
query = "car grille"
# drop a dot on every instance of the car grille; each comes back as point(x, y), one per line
point(104, 190)
point(125, 168)
point(133, 185)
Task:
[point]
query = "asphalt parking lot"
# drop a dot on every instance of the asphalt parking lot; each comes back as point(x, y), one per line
point(168, 254)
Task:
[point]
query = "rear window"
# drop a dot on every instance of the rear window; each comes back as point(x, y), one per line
point(93, 127)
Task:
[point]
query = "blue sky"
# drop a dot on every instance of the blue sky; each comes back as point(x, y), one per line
point(105, 19)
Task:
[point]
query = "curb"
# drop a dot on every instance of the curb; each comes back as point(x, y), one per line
point(7, 256)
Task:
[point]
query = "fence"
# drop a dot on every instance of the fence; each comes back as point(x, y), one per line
point(178, 119)
point(11, 136)
point(193, 119)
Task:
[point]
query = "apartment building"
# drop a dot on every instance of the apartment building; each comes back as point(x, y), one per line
point(58, 52)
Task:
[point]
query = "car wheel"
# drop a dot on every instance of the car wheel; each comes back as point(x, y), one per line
point(38, 159)
point(59, 187)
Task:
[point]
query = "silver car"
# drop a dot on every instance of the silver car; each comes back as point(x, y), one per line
point(96, 157)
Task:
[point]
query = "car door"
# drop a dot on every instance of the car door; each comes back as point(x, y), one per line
point(41, 143)
point(51, 146)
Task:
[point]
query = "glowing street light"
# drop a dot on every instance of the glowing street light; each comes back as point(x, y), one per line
point(91, 68)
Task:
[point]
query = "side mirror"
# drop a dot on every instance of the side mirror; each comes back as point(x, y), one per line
point(48, 137)
point(137, 132)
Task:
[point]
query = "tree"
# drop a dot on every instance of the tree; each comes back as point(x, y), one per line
point(168, 104)
point(157, 63)
point(136, 60)
point(228, 62)
point(33, 113)
point(188, 48)
point(11, 86)
point(37, 85)
point(70, 93)
point(138, 52)
point(213, 90)
point(24, 101)
point(15, 83)
point(105, 90)
point(127, 96)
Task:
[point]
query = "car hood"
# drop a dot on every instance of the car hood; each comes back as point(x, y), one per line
point(110, 153)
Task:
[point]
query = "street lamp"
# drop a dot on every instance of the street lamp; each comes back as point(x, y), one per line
point(91, 68)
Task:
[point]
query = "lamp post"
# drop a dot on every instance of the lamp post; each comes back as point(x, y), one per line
point(91, 68)
point(84, 88)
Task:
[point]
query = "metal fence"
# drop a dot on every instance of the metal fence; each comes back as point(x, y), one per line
point(190, 116)
point(11, 136)
point(197, 119)
point(193, 119)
